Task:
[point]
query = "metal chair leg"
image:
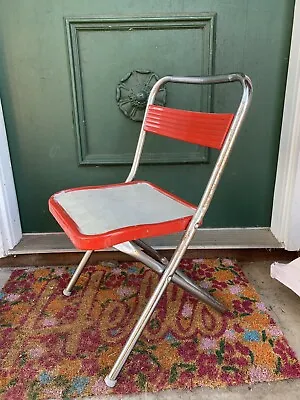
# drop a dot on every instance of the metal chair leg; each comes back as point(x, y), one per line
point(179, 277)
point(68, 289)
point(111, 378)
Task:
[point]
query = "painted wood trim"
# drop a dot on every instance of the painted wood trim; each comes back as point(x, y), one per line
point(10, 226)
point(285, 223)
point(222, 238)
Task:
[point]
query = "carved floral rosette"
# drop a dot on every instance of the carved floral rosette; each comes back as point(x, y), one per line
point(133, 92)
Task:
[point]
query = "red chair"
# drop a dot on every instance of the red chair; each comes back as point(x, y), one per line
point(120, 215)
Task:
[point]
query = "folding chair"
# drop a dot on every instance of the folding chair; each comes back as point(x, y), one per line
point(120, 215)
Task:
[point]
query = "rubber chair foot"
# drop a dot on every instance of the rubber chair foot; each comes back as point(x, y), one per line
point(110, 382)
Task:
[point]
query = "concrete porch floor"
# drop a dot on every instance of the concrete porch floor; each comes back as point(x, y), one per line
point(284, 306)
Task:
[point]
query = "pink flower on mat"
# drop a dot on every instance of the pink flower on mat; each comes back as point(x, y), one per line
point(116, 271)
point(236, 289)
point(12, 297)
point(59, 271)
point(227, 262)
point(273, 330)
point(208, 343)
point(49, 322)
point(261, 307)
point(124, 291)
point(55, 394)
point(187, 310)
point(37, 352)
point(259, 374)
point(99, 387)
point(205, 284)
point(229, 334)
point(198, 260)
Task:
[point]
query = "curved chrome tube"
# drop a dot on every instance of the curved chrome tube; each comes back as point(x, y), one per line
point(206, 80)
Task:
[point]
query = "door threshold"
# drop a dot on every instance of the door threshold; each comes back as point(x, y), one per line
point(242, 244)
point(210, 238)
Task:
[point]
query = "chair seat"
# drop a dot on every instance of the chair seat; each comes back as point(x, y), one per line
point(97, 217)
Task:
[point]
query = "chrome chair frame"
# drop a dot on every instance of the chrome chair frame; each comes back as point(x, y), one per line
point(146, 254)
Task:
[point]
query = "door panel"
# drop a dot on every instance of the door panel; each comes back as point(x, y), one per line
point(61, 62)
point(152, 45)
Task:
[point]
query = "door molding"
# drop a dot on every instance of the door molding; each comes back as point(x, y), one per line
point(285, 224)
point(10, 226)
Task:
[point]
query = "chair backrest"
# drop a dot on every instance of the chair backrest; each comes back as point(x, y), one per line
point(205, 129)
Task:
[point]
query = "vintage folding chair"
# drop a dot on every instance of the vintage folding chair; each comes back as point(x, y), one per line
point(120, 215)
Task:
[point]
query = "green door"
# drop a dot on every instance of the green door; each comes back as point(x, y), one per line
point(70, 73)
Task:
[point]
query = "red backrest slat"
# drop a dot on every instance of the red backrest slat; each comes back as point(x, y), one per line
point(205, 129)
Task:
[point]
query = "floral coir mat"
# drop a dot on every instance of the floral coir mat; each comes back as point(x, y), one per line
point(57, 347)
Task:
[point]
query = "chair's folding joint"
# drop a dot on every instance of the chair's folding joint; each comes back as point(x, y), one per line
point(151, 252)
point(164, 261)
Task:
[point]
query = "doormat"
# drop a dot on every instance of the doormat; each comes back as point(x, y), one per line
point(57, 347)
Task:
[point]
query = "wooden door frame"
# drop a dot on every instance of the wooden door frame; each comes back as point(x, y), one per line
point(285, 224)
point(10, 226)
